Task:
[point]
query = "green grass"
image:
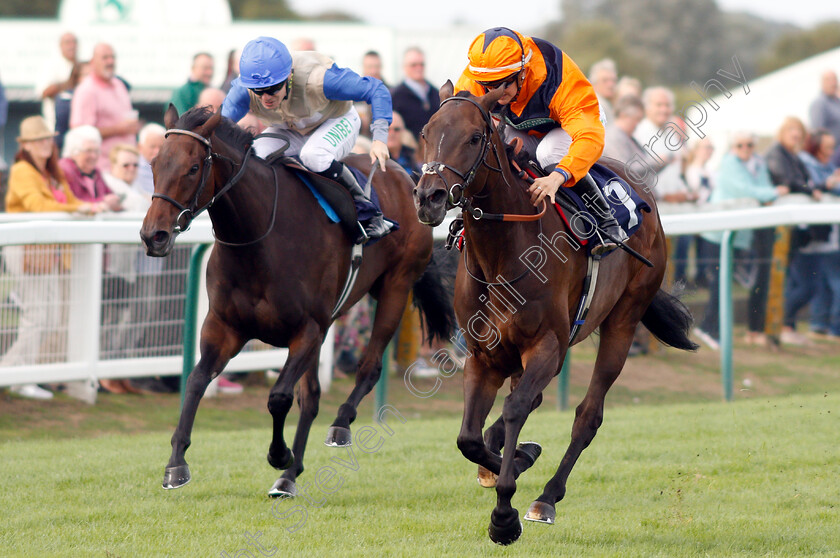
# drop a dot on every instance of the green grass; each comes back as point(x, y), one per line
point(753, 478)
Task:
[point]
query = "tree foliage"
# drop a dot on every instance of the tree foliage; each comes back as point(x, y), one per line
point(29, 8)
point(262, 10)
point(801, 44)
point(672, 42)
point(596, 39)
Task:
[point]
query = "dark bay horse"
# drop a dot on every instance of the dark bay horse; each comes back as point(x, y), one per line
point(276, 272)
point(518, 317)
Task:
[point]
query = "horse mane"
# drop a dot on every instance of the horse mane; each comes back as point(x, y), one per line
point(227, 130)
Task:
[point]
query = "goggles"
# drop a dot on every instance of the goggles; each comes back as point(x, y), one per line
point(504, 82)
point(270, 90)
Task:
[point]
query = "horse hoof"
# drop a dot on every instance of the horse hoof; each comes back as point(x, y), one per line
point(528, 452)
point(505, 534)
point(338, 437)
point(486, 478)
point(283, 488)
point(176, 477)
point(540, 512)
point(283, 464)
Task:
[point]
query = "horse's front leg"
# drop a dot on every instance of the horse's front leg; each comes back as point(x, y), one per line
point(309, 394)
point(541, 364)
point(481, 384)
point(303, 356)
point(389, 309)
point(219, 343)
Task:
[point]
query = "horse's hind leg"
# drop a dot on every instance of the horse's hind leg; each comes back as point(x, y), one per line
point(494, 439)
point(389, 309)
point(219, 343)
point(616, 337)
point(303, 357)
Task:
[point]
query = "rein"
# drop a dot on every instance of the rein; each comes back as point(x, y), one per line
point(456, 191)
point(189, 212)
point(192, 211)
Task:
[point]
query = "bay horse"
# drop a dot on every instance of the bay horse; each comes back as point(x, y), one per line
point(518, 318)
point(276, 272)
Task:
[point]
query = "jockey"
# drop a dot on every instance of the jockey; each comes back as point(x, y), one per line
point(552, 108)
point(307, 103)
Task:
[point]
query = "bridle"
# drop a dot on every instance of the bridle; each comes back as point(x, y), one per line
point(189, 212)
point(456, 191)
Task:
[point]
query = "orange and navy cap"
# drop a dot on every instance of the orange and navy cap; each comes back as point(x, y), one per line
point(496, 54)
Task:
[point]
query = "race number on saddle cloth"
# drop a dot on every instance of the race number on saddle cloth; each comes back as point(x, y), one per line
point(548, 104)
point(626, 205)
point(306, 102)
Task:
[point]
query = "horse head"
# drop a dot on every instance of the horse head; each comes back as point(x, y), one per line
point(183, 181)
point(455, 142)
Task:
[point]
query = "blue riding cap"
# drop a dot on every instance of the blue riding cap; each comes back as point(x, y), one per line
point(265, 62)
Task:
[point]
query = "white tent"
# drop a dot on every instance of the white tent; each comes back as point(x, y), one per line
point(785, 92)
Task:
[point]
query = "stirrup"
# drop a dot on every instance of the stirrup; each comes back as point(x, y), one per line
point(362, 236)
point(377, 227)
point(605, 244)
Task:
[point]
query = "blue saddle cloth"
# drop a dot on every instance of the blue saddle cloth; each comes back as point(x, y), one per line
point(364, 210)
point(626, 205)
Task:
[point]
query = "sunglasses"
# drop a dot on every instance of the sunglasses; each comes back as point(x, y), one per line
point(270, 90)
point(489, 85)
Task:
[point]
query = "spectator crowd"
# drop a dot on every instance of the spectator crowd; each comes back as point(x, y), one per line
point(90, 152)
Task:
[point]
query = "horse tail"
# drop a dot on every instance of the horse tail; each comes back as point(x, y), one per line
point(433, 299)
point(668, 319)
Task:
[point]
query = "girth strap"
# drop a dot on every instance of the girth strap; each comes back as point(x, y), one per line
point(355, 264)
point(589, 284)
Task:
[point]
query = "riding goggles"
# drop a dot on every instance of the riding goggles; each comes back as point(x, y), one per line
point(504, 82)
point(271, 90)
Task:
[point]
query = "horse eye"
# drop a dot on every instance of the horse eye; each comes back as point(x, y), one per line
point(193, 170)
point(475, 139)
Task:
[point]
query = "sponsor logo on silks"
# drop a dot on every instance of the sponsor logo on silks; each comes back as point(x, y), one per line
point(340, 131)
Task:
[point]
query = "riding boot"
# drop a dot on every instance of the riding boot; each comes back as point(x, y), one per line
point(376, 226)
point(598, 207)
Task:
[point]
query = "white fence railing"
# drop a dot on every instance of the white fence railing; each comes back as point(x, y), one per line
point(72, 348)
point(80, 331)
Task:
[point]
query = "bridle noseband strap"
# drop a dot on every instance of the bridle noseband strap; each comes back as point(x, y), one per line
point(456, 191)
point(191, 211)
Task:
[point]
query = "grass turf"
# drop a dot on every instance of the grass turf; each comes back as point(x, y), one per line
point(753, 478)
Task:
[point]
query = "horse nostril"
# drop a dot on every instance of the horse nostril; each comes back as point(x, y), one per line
point(160, 237)
point(438, 197)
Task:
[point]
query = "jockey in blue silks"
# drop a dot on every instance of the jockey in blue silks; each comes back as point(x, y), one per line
point(306, 102)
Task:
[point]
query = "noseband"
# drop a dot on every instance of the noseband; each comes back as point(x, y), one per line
point(456, 191)
point(191, 211)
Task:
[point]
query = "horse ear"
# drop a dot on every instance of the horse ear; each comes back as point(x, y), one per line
point(171, 116)
point(490, 98)
point(446, 90)
point(207, 129)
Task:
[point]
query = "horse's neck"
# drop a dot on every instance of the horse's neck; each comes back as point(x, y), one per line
point(244, 212)
point(496, 246)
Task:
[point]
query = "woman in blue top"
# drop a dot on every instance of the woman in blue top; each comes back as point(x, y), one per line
point(306, 102)
point(743, 174)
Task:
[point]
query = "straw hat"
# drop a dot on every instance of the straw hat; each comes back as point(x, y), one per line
point(34, 128)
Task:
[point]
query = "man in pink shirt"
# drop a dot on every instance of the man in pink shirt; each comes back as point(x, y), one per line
point(101, 100)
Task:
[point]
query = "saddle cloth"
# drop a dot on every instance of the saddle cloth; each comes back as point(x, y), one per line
point(625, 203)
point(338, 207)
